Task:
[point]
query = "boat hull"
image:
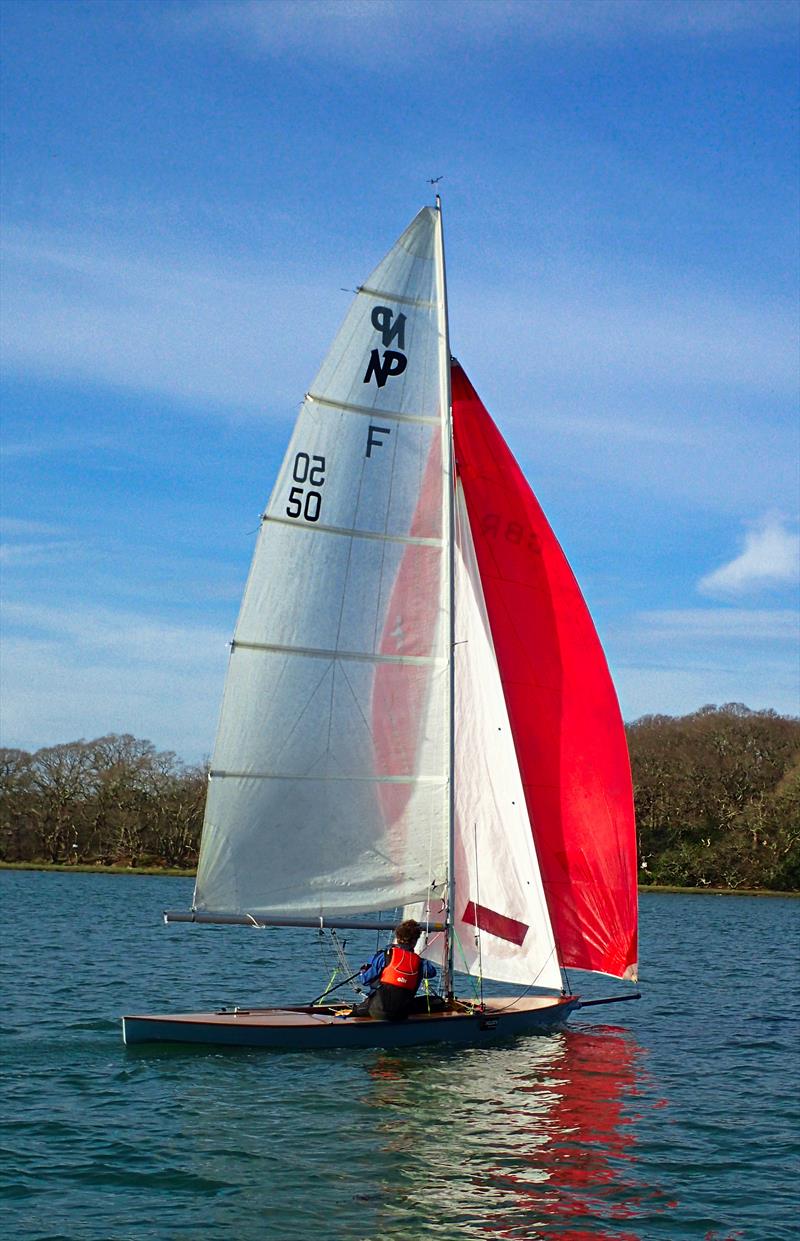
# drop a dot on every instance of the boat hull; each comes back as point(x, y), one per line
point(306, 1029)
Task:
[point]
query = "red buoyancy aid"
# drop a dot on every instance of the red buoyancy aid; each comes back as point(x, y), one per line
point(403, 970)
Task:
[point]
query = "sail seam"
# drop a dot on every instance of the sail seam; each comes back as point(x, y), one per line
point(318, 653)
point(370, 412)
point(278, 775)
point(396, 297)
point(352, 533)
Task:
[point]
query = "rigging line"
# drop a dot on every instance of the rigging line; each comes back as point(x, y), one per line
point(340, 947)
point(530, 985)
point(429, 889)
point(477, 920)
point(321, 940)
point(309, 700)
point(467, 970)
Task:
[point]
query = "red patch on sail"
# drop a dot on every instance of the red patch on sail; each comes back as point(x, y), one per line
point(496, 924)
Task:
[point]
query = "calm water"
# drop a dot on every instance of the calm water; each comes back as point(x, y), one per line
point(669, 1118)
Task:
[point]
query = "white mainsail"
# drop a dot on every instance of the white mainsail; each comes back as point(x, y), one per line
point(328, 790)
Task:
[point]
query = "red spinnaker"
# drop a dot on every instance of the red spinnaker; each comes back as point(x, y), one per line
point(566, 722)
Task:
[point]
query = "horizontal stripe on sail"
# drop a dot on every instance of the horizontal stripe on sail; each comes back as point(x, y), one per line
point(370, 412)
point(353, 534)
point(494, 923)
point(395, 297)
point(316, 653)
point(279, 775)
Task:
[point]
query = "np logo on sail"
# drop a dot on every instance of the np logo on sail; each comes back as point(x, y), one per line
point(392, 328)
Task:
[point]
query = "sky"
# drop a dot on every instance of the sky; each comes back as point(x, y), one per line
point(191, 190)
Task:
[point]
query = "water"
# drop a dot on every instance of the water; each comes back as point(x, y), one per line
point(668, 1118)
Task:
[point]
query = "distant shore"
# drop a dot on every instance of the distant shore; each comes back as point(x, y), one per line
point(88, 869)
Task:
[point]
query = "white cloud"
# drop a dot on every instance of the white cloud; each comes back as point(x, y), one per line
point(367, 33)
point(672, 661)
point(21, 527)
point(31, 543)
point(217, 330)
point(713, 624)
point(96, 309)
point(25, 555)
point(606, 330)
point(83, 672)
point(118, 637)
point(771, 557)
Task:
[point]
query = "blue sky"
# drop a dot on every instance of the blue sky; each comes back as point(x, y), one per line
point(190, 188)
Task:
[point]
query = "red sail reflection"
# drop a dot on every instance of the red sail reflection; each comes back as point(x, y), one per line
point(535, 1140)
point(586, 1163)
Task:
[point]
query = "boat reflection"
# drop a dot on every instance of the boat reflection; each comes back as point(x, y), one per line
point(534, 1140)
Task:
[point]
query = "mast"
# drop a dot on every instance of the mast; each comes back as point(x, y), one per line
point(444, 380)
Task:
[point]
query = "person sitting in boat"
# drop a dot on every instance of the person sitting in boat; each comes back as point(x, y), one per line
point(397, 971)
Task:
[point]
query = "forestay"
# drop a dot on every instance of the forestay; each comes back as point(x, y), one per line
point(328, 790)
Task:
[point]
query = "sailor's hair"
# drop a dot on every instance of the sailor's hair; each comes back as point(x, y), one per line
point(408, 932)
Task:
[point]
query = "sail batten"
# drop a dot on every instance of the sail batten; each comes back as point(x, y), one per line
point(397, 297)
point(360, 656)
point(369, 411)
point(353, 532)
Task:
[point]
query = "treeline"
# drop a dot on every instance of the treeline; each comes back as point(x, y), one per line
point(718, 798)
point(114, 801)
point(717, 801)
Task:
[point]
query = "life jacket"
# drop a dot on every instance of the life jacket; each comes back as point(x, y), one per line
point(403, 970)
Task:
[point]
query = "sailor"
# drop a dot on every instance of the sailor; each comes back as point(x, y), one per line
point(396, 973)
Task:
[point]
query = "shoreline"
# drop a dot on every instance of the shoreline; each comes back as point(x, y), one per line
point(87, 868)
point(90, 868)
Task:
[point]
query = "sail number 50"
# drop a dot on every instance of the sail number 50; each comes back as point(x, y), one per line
point(306, 501)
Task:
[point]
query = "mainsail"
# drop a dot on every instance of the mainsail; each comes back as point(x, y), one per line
point(563, 711)
point(300, 819)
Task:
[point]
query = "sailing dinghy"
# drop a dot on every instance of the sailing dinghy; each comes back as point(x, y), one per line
point(417, 713)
